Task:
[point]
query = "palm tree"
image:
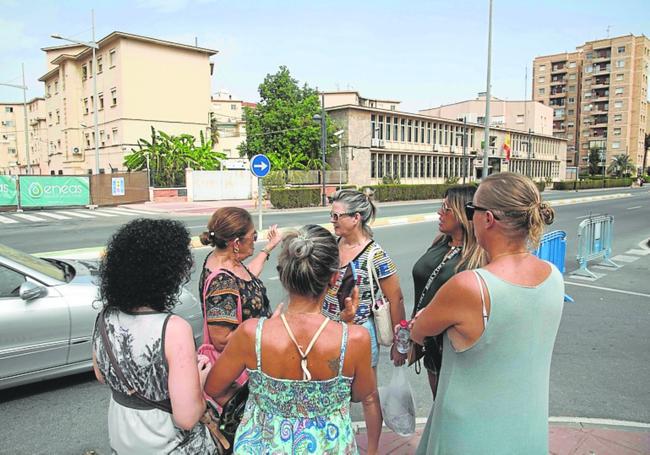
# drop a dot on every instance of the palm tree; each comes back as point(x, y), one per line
point(621, 165)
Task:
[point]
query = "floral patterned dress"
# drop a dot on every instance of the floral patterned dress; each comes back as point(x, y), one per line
point(286, 416)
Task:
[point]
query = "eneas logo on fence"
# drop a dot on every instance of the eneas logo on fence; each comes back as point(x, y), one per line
point(35, 190)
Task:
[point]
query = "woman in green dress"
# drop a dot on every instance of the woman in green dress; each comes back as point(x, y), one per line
point(301, 376)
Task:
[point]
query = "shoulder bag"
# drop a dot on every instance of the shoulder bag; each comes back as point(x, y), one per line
point(380, 305)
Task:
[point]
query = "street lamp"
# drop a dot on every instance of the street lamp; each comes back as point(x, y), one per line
point(338, 135)
point(323, 139)
point(24, 89)
point(94, 46)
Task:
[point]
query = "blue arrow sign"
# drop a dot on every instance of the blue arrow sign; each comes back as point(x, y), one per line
point(260, 166)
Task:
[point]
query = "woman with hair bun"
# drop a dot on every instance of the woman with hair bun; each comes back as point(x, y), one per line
point(302, 376)
point(232, 234)
point(499, 323)
point(351, 214)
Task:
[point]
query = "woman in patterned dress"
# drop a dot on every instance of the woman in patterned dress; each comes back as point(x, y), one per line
point(351, 213)
point(146, 263)
point(301, 376)
point(232, 234)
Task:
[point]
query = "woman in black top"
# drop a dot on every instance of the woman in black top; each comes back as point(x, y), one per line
point(454, 250)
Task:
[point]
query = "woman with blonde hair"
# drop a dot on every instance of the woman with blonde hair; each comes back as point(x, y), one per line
point(499, 324)
point(454, 249)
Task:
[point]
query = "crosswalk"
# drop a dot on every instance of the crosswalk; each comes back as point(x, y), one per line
point(49, 216)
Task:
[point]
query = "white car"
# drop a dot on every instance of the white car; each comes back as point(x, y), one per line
point(48, 309)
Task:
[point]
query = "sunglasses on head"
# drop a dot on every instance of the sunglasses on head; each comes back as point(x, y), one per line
point(335, 216)
point(470, 208)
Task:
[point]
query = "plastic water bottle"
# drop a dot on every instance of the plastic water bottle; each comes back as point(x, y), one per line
point(403, 341)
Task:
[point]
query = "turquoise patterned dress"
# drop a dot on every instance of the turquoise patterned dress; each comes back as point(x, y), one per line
point(285, 416)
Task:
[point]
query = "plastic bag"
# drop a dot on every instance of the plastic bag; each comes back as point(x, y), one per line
point(397, 404)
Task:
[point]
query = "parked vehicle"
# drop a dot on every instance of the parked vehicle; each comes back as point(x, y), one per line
point(47, 314)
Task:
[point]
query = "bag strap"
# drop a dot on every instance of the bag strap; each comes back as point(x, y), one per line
point(434, 274)
point(131, 391)
point(372, 275)
point(206, 288)
point(479, 280)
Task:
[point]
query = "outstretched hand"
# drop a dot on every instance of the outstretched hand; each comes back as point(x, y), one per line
point(351, 305)
point(273, 236)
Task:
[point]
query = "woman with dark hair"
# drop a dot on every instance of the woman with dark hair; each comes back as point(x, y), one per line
point(149, 350)
point(499, 324)
point(301, 374)
point(234, 293)
point(453, 250)
point(351, 214)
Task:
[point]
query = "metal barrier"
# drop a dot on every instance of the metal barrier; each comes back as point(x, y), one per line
point(595, 242)
point(552, 248)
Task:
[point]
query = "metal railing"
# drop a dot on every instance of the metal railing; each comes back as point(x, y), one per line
point(552, 248)
point(595, 242)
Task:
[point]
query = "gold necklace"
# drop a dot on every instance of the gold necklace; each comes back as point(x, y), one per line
point(507, 254)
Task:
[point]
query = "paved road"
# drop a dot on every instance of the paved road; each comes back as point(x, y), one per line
point(601, 363)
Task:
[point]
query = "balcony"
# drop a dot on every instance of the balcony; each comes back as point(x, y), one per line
point(601, 58)
point(558, 69)
point(558, 81)
point(601, 69)
point(558, 94)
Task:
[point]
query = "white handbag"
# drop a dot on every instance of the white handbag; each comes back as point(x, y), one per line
point(380, 306)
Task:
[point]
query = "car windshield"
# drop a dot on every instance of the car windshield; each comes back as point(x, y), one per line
point(37, 264)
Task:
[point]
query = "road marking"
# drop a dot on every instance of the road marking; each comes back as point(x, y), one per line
point(100, 213)
point(273, 278)
point(600, 288)
point(623, 258)
point(6, 220)
point(77, 214)
point(604, 422)
point(28, 217)
point(54, 215)
point(587, 216)
point(638, 252)
point(130, 211)
point(635, 207)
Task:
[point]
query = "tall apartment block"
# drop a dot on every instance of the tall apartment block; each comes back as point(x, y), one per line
point(600, 96)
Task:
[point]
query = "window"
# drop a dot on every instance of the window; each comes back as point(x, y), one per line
point(589, 69)
point(84, 73)
point(572, 64)
point(101, 100)
point(49, 114)
point(113, 97)
point(100, 65)
point(115, 141)
point(233, 107)
point(541, 79)
point(58, 117)
point(572, 88)
point(618, 91)
point(10, 282)
point(618, 117)
point(87, 140)
point(90, 68)
point(409, 135)
point(572, 76)
point(541, 91)
point(589, 55)
point(373, 126)
point(617, 131)
point(48, 90)
point(111, 58)
point(86, 106)
point(620, 77)
point(542, 67)
point(388, 128)
point(402, 129)
point(618, 104)
point(9, 109)
point(571, 100)
point(381, 127)
point(101, 138)
point(56, 87)
point(616, 145)
point(571, 112)
point(620, 63)
point(415, 131)
point(621, 49)
point(395, 127)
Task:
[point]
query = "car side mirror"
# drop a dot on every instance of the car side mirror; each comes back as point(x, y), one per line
point(30, 291)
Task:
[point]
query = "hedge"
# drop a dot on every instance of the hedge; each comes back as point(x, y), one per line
point(384, 193)
point(289, 198)
point(587, 184)
point(541, 186)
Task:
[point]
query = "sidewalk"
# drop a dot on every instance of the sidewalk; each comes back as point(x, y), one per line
point(564, 439)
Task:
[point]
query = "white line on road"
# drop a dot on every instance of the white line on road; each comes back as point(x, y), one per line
point(56, 216)
point(6, 220)
point(130, 211)
point(635, 207)
point(28, 217)
point(587, 216)
point(100, 213)
point(600, 288)
point(77, 214)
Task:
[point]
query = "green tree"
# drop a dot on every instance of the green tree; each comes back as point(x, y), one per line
point(281, 126)
point(594, 161)
point(169, 155)
point(621, 165)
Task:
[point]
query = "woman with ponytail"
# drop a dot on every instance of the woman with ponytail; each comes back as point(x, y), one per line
point(499, 324)
point(302, 376)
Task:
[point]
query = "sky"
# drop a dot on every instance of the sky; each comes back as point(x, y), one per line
point(423, 53)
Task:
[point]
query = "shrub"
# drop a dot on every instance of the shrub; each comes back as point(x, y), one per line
point(384, 193)
point(289, 198)
point(275, 178)
point(541, 186)
point(587, 184)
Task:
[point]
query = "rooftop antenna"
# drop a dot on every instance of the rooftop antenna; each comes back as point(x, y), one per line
point(196, 41)
point(608, 28)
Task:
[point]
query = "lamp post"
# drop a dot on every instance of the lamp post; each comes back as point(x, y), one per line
point(94, 46)
point(323, 144)
point(338, 135)
point(24, 89)
point(488, 96)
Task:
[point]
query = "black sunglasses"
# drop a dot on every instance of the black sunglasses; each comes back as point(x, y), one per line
point(470, 208)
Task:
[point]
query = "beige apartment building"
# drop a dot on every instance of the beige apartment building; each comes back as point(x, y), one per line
point(515, 115)
point(228, 116)
point(142, 82)
point(599, 95)
point(13, 155)
point(417, 148)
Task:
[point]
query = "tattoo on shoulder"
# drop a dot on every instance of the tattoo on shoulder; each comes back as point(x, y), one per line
point(334, 364)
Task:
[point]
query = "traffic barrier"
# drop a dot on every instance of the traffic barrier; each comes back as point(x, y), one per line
point(595, 242)
point(552, 248)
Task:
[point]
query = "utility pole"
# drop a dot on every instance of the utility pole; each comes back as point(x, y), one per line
point(96, 101)
point(323, 143)
point(29, 163)
point(488, 95)
point(529, 164)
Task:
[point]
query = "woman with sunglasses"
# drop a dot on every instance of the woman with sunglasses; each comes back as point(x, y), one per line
point(454, 250)
point(499, 324)
point(351, 213)
point(232, 234)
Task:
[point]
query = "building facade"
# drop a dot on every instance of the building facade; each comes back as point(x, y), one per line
point(514, 115)
point(227, 115)
point(600, 96)
point(13, 154)
point(141, 83)
point(384, 144)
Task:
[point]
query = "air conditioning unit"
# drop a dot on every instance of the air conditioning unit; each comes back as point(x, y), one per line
point(436, 147)
point(374, 142)
point(381, 143)
point(76, 151)
point(452, 148)
point(3, 123)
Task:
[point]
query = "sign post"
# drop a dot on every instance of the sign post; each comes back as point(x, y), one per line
point(260, 167)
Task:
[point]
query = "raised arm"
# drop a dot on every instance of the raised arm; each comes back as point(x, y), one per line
point(256, 265)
